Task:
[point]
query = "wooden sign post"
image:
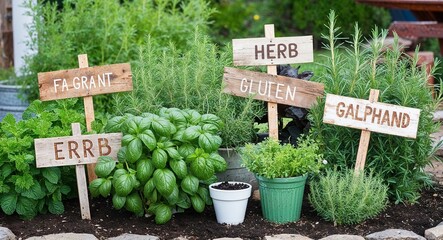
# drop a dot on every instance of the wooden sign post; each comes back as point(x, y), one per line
point(85, 82)
point(271, 51)
point(77, 150)
point(370, 115)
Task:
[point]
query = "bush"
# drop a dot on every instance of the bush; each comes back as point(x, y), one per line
point(166, 163)
point(107, 30)
point(25, 189)
point(347, 198)
point(353, 71)
point(190, 79)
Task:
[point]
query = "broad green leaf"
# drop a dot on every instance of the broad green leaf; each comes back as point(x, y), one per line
point(197, 203)
point(4, 188)
point(121, 155)
point(218, 162)
point(134, 150)
point(186, 149)
point(203, 192)
point(179, 168)
point(132, 126)
point(105, 188)
point(144, 124)
point(8, 202)
point(128, 138)
point(184, 200)
point(189, 184)
point(210, 128)
point(26, 207)
point(123, 185)
point(163, 214)
point(35, 192)
point(178, 136)
point(148, 139)
point(24, 182)
point(209, 142)
point(148, 188)
point(134, 204)
point(165, 181)
point(105, 165)
point(211, 119)
point(115, 124)
point(53, 175)
point(202, 168)
point(144, 169)
point(159, 158)
point(173, 153)
point(56, 207)
point(118, 173)
point(173, 197)
point(135, 183)
point(191, 133)
point(194, 117)
point(6, 170)
point(118, 202)
point(163, 127)
point(50, 187)
point(65, 189)
point(152, 197)
point(94, 186)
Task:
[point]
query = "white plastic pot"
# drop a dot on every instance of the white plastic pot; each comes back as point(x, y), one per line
point(230, 205)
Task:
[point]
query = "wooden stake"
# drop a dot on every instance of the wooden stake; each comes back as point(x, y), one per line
point(81, 181)
point(364, 139)
point(89, 113)
point(272, 107)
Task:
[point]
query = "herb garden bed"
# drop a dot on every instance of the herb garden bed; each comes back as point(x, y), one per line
point(107, 222)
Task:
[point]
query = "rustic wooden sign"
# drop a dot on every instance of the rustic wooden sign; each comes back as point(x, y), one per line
point(77, 150)
point(372, 116)
point(82, 82)
point(271, 88)
point(272, 51)
point(74, 150)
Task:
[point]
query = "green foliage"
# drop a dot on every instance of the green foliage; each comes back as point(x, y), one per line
point(163, 163)
point(25, 189)
point(109, 31)
point(348, 198)
point(270, 159)
point(192, 79)
point(353, 71)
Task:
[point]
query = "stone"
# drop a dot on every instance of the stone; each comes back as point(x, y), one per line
point(394, 234)
point(65, 236)
point(225, 238)
point(287, 237)
point(6, 234)
point(435, 233)
point(343, 237)
point(127, 236)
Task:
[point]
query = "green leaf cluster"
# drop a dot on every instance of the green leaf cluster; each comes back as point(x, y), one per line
point(271, 159)
point(166, 162)
point(348, 198)
point(25, 189)
point(352, 71)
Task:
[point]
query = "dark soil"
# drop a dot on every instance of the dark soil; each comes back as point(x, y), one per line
point(230, 186)
point(107, 222)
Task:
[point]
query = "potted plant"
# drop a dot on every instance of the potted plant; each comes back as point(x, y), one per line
point(230, 200)
point(12, 99)
point(281, 171)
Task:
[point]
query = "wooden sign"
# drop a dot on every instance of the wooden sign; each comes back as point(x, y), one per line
point(271, 88)
point(77, 150)
point(371, 116)
point(82, 82)
point(74, 150)
point(272, 51)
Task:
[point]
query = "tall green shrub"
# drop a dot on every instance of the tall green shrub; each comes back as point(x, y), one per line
point(191, 79)
point(109, 31)
point(352, 71)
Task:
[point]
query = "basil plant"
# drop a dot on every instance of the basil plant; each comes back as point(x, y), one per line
point(165, 163)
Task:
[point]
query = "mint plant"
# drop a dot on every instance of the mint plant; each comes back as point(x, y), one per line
point(165, 163)
point(25, 189)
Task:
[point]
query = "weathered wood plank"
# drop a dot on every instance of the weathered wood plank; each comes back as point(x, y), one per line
point(83, 82)
point(272, 51)
point(372, 116)
point(271, 88)
point(272, 106)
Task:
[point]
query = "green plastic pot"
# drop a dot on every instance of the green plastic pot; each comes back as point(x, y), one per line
point(281, 198)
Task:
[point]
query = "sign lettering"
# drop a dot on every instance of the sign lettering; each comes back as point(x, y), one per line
point(372, 116)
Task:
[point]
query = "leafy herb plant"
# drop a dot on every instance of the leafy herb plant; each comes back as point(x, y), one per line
point(165, 163)
point(352, 71)
point(270, 159)
point(346, 198)
point(25, 189)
